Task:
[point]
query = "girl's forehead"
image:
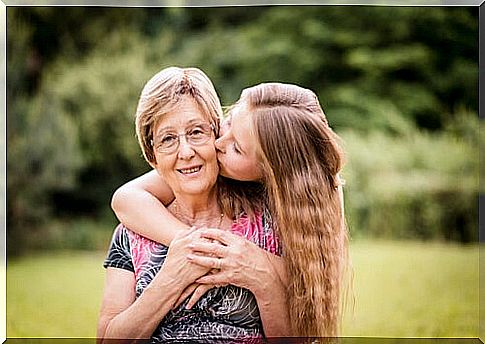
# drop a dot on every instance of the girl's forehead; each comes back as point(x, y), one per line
point(242, 130)
point(239, 111)
point(238, 118)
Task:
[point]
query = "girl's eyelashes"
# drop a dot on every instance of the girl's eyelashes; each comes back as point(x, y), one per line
point(234, 147)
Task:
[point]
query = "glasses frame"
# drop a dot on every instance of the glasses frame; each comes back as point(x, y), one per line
point(176, 146)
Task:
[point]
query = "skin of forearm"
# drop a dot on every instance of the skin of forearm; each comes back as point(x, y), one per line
point(271, 298)
point(278, 264)
point(270, 292)
point(143, 316)
point(143, 213)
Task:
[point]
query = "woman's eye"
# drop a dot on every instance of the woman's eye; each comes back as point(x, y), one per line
point(168, 139)
point(196, 132)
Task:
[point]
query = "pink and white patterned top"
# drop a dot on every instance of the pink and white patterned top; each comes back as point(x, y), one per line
point(222, 314)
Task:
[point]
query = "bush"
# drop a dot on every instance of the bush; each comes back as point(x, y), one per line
point(415, 185)
point(75, 74)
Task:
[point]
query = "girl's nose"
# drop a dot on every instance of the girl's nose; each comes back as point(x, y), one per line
point(219, 144)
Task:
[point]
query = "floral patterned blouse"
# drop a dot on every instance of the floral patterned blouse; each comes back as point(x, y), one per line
point(222, 314)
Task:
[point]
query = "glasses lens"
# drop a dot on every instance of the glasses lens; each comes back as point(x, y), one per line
point(167, 142)
point(199, 134)
point(196, 135)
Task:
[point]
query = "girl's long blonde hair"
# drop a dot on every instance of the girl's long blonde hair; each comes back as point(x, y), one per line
point(300, 160)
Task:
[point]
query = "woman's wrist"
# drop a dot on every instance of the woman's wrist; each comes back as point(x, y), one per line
point(171, 280)
point(264, 278)
point(267, 287)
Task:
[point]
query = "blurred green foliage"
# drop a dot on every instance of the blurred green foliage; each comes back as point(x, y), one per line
point(402, 92)
point(417, 185)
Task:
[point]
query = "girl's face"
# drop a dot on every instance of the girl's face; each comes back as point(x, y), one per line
point(236, 148)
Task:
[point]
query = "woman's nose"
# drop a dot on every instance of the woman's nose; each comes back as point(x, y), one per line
point(186, 151)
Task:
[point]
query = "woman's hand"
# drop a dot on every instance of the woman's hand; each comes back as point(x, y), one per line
point(195, 291)
point(237, 261)
point(177, 267)
point(241, 263)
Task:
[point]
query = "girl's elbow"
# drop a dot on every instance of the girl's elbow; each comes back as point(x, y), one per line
point(116, 198)
point(119, 200)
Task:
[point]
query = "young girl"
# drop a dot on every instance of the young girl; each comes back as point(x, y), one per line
point(277, 142)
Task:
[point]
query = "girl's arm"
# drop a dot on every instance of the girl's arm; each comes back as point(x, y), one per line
point(140, 206)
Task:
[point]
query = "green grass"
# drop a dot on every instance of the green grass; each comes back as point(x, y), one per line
point(402, 289)
point(54, 295)
point(405, 289)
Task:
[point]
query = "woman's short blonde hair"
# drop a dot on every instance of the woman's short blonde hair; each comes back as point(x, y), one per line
point(164, 92)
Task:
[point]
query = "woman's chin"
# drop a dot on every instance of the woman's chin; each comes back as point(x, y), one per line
point(194, 190)
point(197, 186)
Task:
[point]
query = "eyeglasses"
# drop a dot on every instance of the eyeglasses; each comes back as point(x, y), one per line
point(195, 135)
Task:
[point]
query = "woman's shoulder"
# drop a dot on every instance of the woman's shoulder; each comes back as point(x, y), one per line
point(119, 255)
point(133, 241)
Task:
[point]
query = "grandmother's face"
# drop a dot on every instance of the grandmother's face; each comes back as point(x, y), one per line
point(191, 168)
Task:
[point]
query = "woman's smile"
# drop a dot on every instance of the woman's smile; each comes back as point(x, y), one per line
point(192, 171)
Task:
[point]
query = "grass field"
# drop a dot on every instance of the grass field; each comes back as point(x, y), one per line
point(402, 289)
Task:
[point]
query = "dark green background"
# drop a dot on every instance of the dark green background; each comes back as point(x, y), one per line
point(399, 84)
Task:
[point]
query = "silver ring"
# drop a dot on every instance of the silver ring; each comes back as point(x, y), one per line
point(218, 264)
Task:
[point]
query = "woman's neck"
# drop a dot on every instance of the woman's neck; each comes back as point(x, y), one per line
point(202, 210)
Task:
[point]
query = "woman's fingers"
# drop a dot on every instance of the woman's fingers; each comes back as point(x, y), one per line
point(185, 294)
point(199, 291)
point(220, 235)
point(186, 235)
point(209, 248)
point(214, 280)
point(208, 262)
point(187, 232)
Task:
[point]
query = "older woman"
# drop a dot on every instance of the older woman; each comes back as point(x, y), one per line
point(277, 138)
point(177, 118)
